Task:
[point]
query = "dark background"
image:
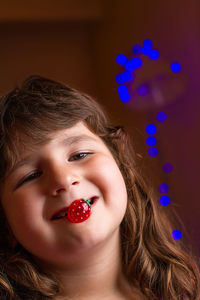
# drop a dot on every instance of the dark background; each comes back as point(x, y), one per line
point(77, 42)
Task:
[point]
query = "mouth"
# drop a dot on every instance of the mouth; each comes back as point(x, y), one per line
point(63, 212)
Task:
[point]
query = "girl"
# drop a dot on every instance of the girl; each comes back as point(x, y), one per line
point(77, 220)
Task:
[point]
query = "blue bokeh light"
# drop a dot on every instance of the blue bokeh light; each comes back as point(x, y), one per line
point(161, 116)
point(147, 43)
point(125, 97)
point(151, 141)
point(146, 50)
point(136, 49)
point(175, 67)
point(133, 63)
point(142, 90)
point(121, 59)
point(154, 54)
point(151, 129)
point(123, 77)
point(126, 76)
point(123, 92)
point(176, 234)
point(167, 168)
point(164, 200)
point(122, 89)
point(163, 188)
point(119, 78)
point(153, 151)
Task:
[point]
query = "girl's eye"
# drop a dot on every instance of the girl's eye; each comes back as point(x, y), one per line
point(30, 177)
point(79, 156)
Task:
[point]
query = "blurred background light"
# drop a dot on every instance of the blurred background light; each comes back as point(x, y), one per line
point(121, 59)
point(164, 200)
point(142, 90)
point(176, 234)
point(151, 141)
point(145, 50)
point(122, 89)
point(163, 188)
point(147, 43)
point(124, 77)
point(125, 97)
point(175, 67)
point(153, 151)
point(133, 63)
point(167, 167)
point(136, 49)
point(119, 78)
point(154, 54)
point(161, 116)
point(151, 129)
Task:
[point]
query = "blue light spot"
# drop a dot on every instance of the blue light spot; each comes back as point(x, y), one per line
point(167, 168)
point(161, 116)
point(151, 129)
point(164, 200)
point(121, 59)
point(122, 89)
point(176, 234)
point(142, 90)
point(153, 151)
point(137, 49)
point(125, 97)
point(133, 63)
point(151, 141)
point(147, 43)
point(137, 62)
point(119, 78)
point(154, 54)
point(163, 188)
point(175, 67)
point(123, 77)
point(146, 50)
point(127, 76)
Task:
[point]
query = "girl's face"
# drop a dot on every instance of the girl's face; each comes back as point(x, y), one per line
point(74, 164)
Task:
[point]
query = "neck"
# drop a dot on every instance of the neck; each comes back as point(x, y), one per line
point(97, 276)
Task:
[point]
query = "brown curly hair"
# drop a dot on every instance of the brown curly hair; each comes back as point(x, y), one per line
point(158, 266)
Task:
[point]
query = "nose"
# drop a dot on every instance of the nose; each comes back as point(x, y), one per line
point(62, 178)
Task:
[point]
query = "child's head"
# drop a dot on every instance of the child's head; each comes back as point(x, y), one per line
point(40, 108)
point(32, 116)
point(35, 118)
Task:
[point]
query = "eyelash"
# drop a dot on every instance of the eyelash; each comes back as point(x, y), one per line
point(36, 174)
point(78, 154)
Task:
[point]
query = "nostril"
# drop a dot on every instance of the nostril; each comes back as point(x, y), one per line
point(75, 182)
point(60, 190)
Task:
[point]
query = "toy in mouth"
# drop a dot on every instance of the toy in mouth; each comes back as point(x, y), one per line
point(79, 210)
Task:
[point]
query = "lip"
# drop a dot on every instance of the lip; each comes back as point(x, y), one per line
point(65, 209)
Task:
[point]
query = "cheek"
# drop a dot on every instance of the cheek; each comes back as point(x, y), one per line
point(21, 213)
point(109, 179)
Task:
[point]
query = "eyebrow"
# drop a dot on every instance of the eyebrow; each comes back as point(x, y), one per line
point(67, 141)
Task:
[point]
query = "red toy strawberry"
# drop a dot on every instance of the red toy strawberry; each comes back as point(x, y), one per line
point(79, 211)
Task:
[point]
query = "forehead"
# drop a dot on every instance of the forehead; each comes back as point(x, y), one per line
point(75, 133)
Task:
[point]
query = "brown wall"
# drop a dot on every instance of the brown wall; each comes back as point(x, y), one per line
point(77, 42)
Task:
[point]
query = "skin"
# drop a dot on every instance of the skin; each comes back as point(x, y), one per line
point(80, 253)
